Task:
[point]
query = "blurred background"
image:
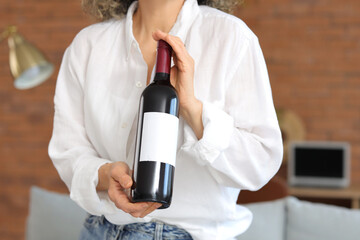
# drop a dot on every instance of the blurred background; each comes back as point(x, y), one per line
point(312, 49)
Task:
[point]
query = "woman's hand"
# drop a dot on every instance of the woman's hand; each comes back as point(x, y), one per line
point(182, 78)
point(115, 178)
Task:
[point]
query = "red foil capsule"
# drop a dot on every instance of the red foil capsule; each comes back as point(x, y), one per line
point(164, 52)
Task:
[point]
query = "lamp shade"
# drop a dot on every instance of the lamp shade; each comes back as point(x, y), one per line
point(27, 64)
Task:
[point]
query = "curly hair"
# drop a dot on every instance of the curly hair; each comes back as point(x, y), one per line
point(103, 10)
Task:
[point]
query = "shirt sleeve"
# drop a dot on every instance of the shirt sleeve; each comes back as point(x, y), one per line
point(73, 155)
point(241, 143)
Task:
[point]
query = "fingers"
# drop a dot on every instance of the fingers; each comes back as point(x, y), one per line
point(121, 200)
point(119, 187)
point(151, 208)
point(181, 55)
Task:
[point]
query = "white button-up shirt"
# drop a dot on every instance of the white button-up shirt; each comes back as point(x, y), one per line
point(101, 78)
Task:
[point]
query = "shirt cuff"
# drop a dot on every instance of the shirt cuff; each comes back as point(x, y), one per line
point(218, 128)
point(83, 187)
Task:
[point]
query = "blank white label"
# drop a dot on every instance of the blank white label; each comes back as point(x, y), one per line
point(159, 137)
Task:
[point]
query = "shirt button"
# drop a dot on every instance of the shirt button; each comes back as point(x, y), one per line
point(124, 125)
point(139, 84)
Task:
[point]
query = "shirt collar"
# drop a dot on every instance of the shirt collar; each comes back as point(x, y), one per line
point(186, 17)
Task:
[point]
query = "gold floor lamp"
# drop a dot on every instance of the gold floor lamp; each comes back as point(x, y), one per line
point(28, 65)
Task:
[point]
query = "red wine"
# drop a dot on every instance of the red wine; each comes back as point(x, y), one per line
point(156, 137)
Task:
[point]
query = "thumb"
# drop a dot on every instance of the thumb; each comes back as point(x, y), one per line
point(173, 75)
point(125, 181)
point(120, 173)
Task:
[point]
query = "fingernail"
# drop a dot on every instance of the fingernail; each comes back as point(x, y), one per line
point(127, 182)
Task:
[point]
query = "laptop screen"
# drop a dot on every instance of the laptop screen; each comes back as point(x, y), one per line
point(319, 162)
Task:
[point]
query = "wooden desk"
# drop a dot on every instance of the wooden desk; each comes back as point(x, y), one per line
point(352, 193)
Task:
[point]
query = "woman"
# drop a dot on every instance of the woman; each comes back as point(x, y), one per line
point(229, 137)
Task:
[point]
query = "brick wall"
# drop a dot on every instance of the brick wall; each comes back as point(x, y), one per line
point(26, 116)
point(312, 49)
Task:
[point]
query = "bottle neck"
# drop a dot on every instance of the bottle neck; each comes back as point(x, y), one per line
point(159, 76)
point(163, 61)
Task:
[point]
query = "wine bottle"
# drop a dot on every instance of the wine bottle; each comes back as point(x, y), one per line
point(156, 137)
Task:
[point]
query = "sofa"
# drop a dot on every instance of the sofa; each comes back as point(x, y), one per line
point(55, 216)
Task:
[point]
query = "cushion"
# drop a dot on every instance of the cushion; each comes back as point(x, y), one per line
point(268, 221)
point(315, 221)
point(53, 216)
